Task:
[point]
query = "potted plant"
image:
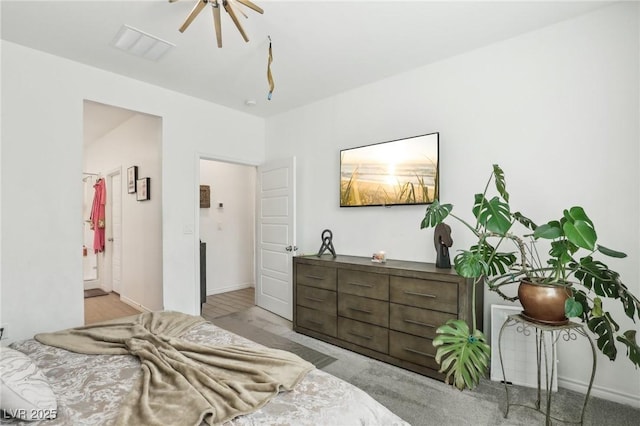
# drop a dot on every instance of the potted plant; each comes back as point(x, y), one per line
point(571, 272)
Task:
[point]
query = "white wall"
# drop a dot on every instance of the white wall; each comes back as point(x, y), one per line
point(137, 141)
point(42, 98)
point(557, 108)
point(229, 231)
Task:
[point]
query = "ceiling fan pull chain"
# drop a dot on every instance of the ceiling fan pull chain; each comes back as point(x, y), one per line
point(269, 75)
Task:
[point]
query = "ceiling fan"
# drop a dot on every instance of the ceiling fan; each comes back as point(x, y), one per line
point(231, 6)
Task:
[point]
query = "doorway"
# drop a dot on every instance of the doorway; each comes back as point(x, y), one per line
point(113, 257)
point(226, 227)
point(250, 238)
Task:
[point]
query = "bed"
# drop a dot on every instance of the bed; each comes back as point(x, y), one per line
point(91, 389)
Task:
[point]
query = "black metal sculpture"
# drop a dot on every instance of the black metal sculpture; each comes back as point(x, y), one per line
point(442, 240)
point(327, 244)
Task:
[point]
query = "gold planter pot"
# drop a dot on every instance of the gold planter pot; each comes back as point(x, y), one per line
point(544, 303)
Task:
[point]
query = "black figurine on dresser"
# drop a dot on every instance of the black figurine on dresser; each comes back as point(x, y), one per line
point(442, 241)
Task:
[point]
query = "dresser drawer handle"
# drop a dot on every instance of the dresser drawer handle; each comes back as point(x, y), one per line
point(419, 352)
point(424, 324)
point(314, 277)
point(360, 284)
point(364, 311)
point(360, 335)
point(315, 299)
point(413, 293)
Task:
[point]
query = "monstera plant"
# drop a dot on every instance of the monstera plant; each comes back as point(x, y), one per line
point(505, 252)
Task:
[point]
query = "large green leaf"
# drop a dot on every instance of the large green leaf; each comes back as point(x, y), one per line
point(609, 252)
point(630, 303)
point(501, 185)
point(633, 350)
point(548, 231)
point(597, 276)
point(493, 214)
point(605, 327)
point(572, 308)
point(581, 234)
point(470, 264)
point(463, 357)
point(579, 229)
point(576, 213)
point(435, 214)
point(494, 262)
point(562, 250)
point(580, 296)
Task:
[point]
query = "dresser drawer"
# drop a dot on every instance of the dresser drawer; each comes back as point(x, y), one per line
point(316, 298)
point(316, 320)
point(367, 284)
point(316, 276)
point(364, 309)
point(363, 334)
point(413, 349)
point(437, 295)
point(417, 321)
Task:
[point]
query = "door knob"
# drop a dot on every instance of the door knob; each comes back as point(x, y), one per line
point(291, 248)
point(110, 239)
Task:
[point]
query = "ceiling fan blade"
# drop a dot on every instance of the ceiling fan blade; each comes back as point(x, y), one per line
point(196, 10)
point(217, 23)
point(238, 8)
point(234, 18)
point(251, 5)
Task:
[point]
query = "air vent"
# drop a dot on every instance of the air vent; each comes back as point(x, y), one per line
point(139, 43)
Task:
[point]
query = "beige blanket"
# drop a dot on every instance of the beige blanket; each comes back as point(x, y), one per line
point(184, 383)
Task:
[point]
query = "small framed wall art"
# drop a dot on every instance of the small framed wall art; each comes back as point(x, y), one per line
point(143, 189)
point(132, 177)
point(205, 196)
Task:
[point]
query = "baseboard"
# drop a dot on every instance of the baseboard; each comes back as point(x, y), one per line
point(230, 288)
point(133, 304)
point(600, 392)
point(91, 284)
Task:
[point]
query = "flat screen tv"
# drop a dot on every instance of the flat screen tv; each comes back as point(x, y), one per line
point(399, 172)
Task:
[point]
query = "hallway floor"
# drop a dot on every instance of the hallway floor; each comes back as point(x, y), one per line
point(107, 307)
point(218, 305)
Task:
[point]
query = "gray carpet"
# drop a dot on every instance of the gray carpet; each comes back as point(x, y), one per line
point(274, 341)
point(423, 401)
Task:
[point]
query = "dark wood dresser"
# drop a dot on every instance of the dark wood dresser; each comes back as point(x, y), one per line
point(387, 311)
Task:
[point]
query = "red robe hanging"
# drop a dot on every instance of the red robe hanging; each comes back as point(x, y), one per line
point(98, 214)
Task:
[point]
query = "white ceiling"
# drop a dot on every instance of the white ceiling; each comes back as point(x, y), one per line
point(320, 48)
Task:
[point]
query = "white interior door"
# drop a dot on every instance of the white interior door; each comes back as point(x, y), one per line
point(113, 231)
point(276, 236)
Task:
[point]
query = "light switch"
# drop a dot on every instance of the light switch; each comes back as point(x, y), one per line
point(187, 229)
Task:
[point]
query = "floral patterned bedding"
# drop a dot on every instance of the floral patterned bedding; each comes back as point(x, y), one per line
point(89, 389)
